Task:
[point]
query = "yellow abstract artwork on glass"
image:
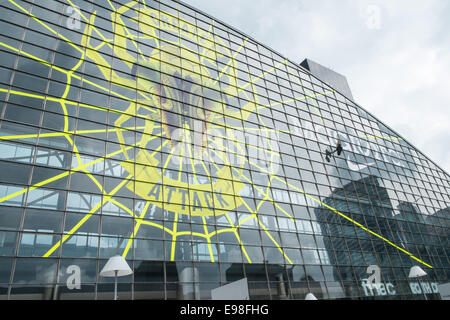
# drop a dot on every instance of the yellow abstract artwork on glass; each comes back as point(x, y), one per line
point(175, 93)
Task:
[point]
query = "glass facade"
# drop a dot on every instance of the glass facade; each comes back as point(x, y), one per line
point(149, 130)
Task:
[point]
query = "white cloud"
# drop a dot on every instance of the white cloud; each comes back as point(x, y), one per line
point(399, 71)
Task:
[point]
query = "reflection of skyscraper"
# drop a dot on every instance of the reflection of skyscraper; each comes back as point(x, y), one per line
point(436, 239)
point(366, 202)
point(439, 220)
point(407, 218)
point(421, 234)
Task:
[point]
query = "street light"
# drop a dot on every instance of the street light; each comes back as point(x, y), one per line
point(116, 266)
point(417, 272)
point(310, 296)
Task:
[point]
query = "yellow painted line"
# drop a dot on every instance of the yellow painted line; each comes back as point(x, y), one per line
point(97, 48)
point(366, 229)
point(73, 230)
point(197, 234)
point(274, 241)
point(208, 240)
point(316, 107)
point(166, 163)
point(59, 100)
point(181, 163)
point(90, 176)
point(238, 238)
point(111, 5)
point(65, 126)
point(379, 137)
point(63, 100)
point(47, 181)
point(66, 173)
point(343, 215)
point(231, 60)
point(29, 136)
point(191, 157)
point(174, 237)
point(150, 223)
point(88, 21)
point(80, 50)
point(232, 225)
point(60, 176)
point(262, 192)
point(206, 171)
point(334, 210)
point(256, 101)
point(125, 208)
point(159, 148)
point(225, 230)
point(105, 200)
point(211, 39)
point(267, 195)
point(61, 134)
point(263, 75)
point(255, 216)
point(241, 222)
point(47, 27)
point(136, 229)
point(119, 22)
point(68, 73)
point(298, 99)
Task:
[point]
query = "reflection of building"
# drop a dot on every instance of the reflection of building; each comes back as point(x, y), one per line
point(148, 129)
point(367, 202)
point(439, 220)
point(437, 237)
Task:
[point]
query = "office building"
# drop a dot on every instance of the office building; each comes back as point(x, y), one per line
point(150, 130)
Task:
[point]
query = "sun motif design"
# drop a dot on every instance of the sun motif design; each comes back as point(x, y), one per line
point(187, 105)
point(177, 91)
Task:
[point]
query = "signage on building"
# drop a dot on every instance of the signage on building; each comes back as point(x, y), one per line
point(388, 288)
point(349, 143)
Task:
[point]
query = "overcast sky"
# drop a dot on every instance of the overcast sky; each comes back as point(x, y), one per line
point(394, 53)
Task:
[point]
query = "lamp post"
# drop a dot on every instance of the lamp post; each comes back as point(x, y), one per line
point(417, 272)
point(310, 296)
point(116, 266)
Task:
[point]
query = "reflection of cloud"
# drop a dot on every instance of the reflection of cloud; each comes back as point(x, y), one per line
point(407, 59)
